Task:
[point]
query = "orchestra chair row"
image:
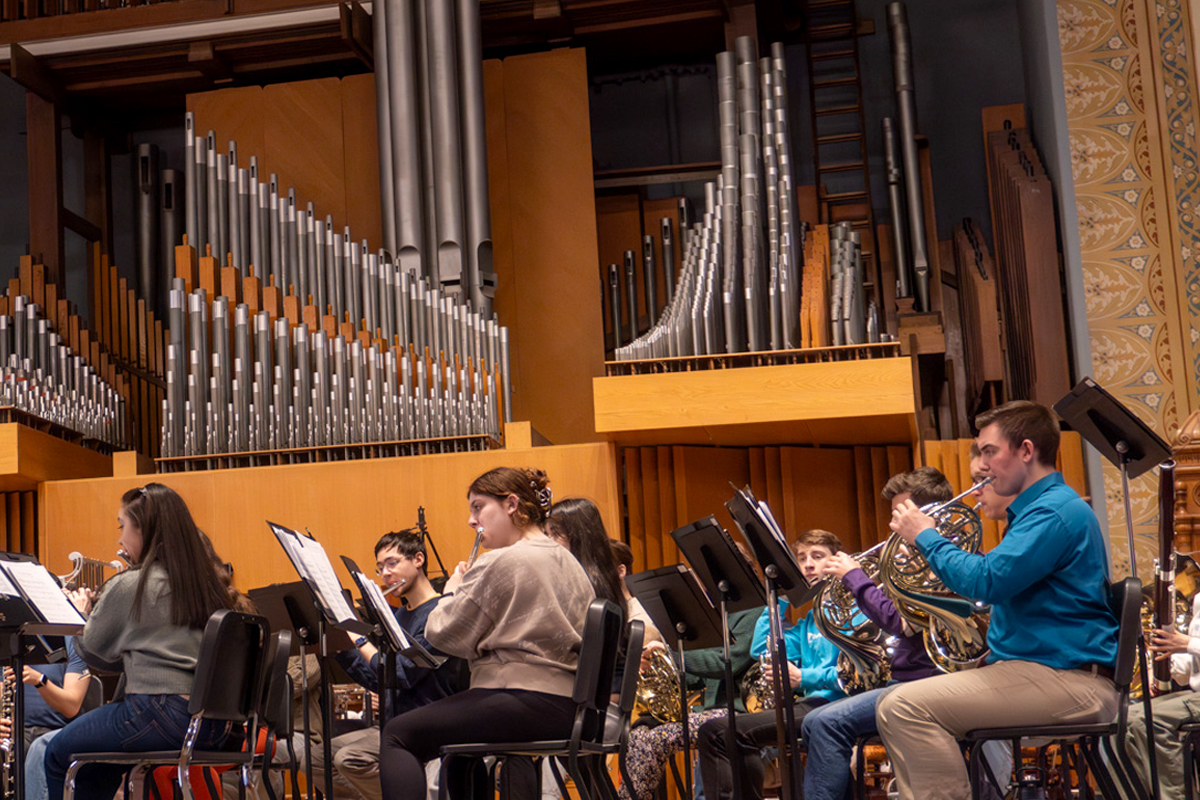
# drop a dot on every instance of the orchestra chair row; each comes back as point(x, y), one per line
point(240, 663)
point(592, 738)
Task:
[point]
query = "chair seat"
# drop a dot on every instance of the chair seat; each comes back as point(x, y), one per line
point(1042, 732)
point(200, 758)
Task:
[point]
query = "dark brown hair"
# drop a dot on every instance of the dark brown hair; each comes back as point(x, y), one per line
point(1019, 420)
point(578, 521)
point(623, 554)
point(530, 487)
point(819, 538)
point(171, 540)
point(407, 543)
point(924, 484)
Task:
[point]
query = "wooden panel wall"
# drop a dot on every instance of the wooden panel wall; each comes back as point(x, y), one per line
point(19, 522)
point(835, 488)
point(548, 294)
point(347, 505)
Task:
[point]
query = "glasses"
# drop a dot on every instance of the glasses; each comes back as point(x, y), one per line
point(389, 566)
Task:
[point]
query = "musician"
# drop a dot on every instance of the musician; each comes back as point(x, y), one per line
point(831, 731)
point(147, 623)
point(1170, 711)
point(624, 556)
point(1053, 636)
point(517, 616)
point(399, 561)
point(988, 504)
point(811, 675)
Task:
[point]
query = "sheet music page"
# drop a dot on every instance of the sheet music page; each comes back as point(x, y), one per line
point(312, 556)
point(374, 595)
point(776, 531)
point(43, 592)
point(6, 587)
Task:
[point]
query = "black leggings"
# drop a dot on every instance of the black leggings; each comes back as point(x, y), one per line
point(754, 732)
point(476, 715)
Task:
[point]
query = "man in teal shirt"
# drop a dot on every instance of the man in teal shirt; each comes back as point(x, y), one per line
point(1052, 635)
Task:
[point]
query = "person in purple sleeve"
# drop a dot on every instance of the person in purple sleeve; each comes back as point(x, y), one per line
point(830, 732)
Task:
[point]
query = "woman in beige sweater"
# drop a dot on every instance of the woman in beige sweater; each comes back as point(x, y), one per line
point(516, 615)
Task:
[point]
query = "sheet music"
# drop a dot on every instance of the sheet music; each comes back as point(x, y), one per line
point(312, 562)
point(6, 587)
point(374, 595)
point(42, 592)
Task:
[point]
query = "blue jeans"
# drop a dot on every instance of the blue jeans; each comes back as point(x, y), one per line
point(829, 733)
point(35, 767)
point(136, 724)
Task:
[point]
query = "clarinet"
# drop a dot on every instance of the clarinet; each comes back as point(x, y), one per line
point(1164, 572)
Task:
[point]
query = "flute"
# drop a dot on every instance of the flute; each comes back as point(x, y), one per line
point(394, 586)
point(475, 547)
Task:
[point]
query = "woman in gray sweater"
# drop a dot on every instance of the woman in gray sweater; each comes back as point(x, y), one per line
point(517, 616)
point(147, 623)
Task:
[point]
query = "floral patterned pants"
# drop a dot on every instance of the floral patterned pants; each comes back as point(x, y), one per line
point(651, 748)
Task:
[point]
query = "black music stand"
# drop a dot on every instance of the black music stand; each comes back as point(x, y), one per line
point(725, 574)
point(392, 639)
point(782, 574)
point(686, 618)
point(32, 606)
point(315, 571)
point(1133, 446)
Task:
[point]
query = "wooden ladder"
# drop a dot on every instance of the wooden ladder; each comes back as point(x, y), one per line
point(838, 127)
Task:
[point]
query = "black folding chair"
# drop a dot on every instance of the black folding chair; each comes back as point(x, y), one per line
point(593, 688)
point(277, 714)
point(228, 688)
point(1190, 731)
point(1126, 598)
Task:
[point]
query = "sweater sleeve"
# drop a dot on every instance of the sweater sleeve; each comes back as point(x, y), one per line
point(462, 619)
point(101, 643)
point(873, 602)
point(709, 662)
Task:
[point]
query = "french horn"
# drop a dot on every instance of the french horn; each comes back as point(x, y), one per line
point(863, 662)
point(953, 627)
point(658, 688)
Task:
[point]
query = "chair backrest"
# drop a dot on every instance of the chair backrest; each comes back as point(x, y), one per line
point(94, 697)
point(597, 665)
point(229, 670)
point(1126, 599)
point(618, 713)
point(276, 711)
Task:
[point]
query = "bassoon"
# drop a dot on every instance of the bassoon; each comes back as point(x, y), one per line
point(1164, 573)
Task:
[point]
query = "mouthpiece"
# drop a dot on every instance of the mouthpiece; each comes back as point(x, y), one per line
point(475, 547)
point(124, 556)
point(934, 508)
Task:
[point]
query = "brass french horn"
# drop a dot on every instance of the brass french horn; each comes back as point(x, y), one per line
point(862, 662)
point(658, 688)
point(954, 628)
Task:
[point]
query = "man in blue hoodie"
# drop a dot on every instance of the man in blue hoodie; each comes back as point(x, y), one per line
point(1052, 634)
point(812, 675)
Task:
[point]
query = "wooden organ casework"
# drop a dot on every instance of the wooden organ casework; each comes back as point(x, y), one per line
point(863, 348)
point(1186, 452)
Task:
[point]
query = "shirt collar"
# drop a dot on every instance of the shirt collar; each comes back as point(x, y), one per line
point(1028, 497)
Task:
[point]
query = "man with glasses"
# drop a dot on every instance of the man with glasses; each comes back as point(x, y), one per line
point(400, 562)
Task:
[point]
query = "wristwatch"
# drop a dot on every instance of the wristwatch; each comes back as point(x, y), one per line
point(360, 641)
point(42, 681)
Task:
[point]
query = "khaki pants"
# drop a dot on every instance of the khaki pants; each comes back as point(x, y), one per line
point(1170, 711)
point(921, 722)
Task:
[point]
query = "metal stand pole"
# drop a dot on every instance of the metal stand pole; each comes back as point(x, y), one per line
point(730, 696)
point(683, 718)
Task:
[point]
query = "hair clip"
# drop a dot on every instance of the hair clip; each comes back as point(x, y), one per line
point(544, 497)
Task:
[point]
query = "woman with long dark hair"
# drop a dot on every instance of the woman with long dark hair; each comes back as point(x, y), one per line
point(517, 616)
point(575, 523)
point(147, 623)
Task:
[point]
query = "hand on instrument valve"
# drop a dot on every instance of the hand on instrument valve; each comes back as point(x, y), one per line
point(908, 520)
point(28, 675)
point(82, 599)
point(839, 564)
point(1163, 643)
point(646, 653)
point(455, 579)
point(768, 671)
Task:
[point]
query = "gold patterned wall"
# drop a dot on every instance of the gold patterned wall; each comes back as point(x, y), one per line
point(1130, 92)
